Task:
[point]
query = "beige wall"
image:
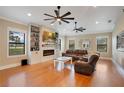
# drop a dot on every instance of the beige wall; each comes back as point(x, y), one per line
point(37, 56)
point(0, 44)
point(118, 56)
point(4, 60)
point(34, 57)
point(92, 38)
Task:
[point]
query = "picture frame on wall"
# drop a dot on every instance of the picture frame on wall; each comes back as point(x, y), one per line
point(120, 42)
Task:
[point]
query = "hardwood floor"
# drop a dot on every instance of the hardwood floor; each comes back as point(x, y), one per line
point(44, 75)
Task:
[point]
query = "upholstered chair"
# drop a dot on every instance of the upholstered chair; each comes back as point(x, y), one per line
point(86, 68)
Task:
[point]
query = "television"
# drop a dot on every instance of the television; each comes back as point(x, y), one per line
point(50, 37)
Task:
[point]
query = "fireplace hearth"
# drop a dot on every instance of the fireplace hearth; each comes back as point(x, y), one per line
point(48, 52)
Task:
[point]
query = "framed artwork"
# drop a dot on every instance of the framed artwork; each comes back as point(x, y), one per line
point(71, 44)
point(120, 42)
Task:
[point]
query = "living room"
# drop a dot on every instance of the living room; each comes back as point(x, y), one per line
point(32, 43)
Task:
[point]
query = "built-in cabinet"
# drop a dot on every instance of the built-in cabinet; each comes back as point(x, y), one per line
point(34, 38)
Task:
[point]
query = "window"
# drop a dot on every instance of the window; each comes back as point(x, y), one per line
point(71, 44)
point(102, 44)
point(59, 42)
point(16, 43)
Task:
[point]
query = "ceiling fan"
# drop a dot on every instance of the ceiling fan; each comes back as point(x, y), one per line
point(78, 29)
point(59, 18)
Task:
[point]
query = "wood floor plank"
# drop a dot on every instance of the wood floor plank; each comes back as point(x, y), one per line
point(45, 75)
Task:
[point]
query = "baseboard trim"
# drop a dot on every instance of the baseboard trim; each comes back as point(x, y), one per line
point(119, 68)
point(9, 66)
point(106, 58)
point(31, 63)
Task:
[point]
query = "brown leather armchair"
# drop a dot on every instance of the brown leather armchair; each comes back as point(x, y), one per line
point(86, 68)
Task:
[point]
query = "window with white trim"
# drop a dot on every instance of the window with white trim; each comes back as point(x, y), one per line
point(16, 43)
point(102, 44)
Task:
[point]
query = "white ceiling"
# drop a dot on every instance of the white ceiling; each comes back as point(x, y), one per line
point(86, 16)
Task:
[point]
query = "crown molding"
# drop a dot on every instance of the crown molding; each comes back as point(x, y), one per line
point(8, 19)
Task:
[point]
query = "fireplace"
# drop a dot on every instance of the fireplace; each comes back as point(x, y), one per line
point(48, 52)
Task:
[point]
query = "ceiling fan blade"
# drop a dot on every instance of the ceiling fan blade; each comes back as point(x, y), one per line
point(66, 14)
point(49, 15)
point(68, 18)
point(49, 19)
point(65, 21)
point(53, 22)
point(80, 28)
point(57, 13)
point(74, 29)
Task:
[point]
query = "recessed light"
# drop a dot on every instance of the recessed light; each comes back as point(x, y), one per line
point(97, 22)
point(29, 14)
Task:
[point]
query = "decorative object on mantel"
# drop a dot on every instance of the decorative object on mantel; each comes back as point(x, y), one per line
point(49, 39)
point(35, 32)
point(120, 42)
point(59, 18)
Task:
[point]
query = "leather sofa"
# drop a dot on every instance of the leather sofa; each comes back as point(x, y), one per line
point(86, 68)
point(75, 54)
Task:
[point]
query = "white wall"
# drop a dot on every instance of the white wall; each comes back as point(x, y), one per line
point(118, 56)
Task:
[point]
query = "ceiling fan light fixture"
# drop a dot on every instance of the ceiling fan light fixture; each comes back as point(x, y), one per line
point(58, 19)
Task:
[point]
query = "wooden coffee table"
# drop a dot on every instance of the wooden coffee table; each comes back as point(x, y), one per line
point(62, 60)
